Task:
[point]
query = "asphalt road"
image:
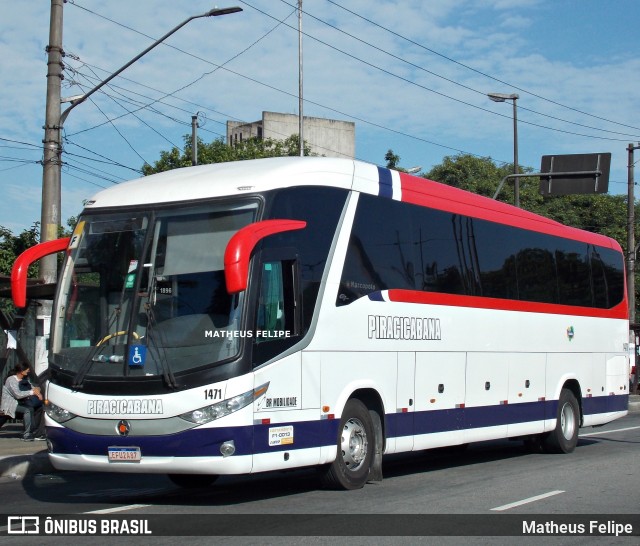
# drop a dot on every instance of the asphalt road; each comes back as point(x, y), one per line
point(602, 476)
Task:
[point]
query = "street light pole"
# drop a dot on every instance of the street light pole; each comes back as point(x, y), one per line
point(51, 177)
point(52, 155)
point(300, 90)
point(631, 244)
point(211, 13)
point(501, 97)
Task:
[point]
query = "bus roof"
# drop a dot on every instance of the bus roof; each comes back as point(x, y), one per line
point(247, 177)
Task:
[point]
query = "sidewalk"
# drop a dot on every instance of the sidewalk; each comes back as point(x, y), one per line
point(19, 459)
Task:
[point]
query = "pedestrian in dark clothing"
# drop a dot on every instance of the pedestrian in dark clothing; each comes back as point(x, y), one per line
point(20, 397)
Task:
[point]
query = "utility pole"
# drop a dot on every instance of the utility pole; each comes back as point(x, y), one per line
point(194, 139)
point(52, 157)
point(300, 95)
point(51, 179)
point(631, 243)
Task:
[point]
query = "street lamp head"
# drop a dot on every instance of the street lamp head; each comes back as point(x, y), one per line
point(215, 12)
point(501, 97)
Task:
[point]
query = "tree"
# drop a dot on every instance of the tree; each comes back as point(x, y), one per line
point(12, 246)
point(392, 159)
point(482, 176)
point(219, 152)
point(601, 213)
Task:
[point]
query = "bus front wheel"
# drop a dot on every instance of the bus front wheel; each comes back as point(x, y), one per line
point(356, 447)
point(564, 438)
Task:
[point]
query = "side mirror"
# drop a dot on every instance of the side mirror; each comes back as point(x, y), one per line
point(239, 248)
point(22, 263)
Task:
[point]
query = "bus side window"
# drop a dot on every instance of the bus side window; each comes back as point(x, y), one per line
point(278, 310)
point(275, 317)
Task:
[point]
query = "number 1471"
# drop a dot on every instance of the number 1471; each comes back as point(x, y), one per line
point(213, 394)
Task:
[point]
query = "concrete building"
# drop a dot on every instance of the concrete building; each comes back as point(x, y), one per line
point(325, 137)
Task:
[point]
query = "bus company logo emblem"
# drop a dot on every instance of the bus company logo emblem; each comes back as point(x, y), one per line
point(125, 407)
point(570, 333)
point(123, 428)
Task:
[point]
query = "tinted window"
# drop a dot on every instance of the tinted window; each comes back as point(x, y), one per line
point(443, 252)
point(321, 208)
point(381, 250)
point(497, 252)
point(403, 246)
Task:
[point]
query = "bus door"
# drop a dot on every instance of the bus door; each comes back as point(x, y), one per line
point(276, 328)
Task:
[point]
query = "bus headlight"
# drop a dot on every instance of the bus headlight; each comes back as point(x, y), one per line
point(220, 409)
point(58, 414)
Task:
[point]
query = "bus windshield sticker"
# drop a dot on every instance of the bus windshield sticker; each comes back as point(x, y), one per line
point(77, 233)
point(137, 355)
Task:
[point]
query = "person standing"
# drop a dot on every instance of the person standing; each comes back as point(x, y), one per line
point(19, 396)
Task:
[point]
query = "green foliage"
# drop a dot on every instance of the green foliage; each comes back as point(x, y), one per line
point(219, 152)
point(392, 159)
point(601, 213)
point(12, 246)
point(482, 176)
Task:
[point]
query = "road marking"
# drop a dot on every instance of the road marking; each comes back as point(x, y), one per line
point(526, 501)
point(117, 509)
point(121, 492)
point(607, 432)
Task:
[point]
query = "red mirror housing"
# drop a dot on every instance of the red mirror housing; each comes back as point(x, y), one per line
point(22, 263)
point(239, 248)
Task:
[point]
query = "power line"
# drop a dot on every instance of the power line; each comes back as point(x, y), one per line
point(283, 91)
point(107, 160)
point(274, 88)
point(479, 71)
point(216, 67)
point(138, 118)
point(444, 95)
point(477, 91)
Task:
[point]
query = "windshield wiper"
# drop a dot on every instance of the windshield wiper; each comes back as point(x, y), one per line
point(161, 355)
point(78, 379)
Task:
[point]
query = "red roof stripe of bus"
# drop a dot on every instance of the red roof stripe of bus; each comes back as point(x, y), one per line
point(478, 302)
point(420, 191)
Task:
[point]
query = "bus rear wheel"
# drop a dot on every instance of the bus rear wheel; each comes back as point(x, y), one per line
point(564, 438)
point(192, 481)
point(356, 447)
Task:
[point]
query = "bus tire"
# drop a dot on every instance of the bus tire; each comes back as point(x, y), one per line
point(192, 481)
point(564, 438)
point(356, 446)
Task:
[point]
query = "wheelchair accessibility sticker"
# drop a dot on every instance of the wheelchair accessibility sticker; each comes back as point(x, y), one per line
point(137, 355)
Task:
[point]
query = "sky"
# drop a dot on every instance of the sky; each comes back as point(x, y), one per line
point(413, 75)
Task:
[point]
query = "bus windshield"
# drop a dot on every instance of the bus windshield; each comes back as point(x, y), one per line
point(145, 294)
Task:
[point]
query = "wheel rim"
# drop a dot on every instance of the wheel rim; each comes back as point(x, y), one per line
point(353, 444)
point(567, 421)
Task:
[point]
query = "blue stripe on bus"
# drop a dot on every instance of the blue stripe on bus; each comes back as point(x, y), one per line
point(385, 183)
point(311, 434)
point(375, 296)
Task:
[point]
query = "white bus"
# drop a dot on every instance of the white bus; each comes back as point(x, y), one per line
point(293, 312)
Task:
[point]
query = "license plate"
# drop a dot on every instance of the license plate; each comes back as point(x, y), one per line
point(124, 454)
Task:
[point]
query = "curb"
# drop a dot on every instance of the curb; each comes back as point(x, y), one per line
point(20, 466)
